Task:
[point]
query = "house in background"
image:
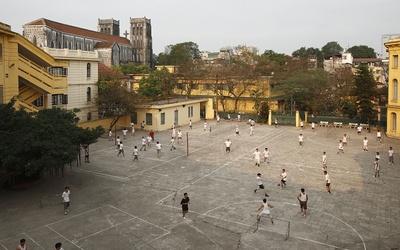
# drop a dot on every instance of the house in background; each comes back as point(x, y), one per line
point(393, 107)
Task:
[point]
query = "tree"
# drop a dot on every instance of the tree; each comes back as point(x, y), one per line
point(115, 100)
point(331, 48)
point(365, 93)
point(341, 83)
point(158, 85)
point(42, 141)
point(189, 72)
point(362, 51)
point(308, 52)
point(131, 68)
point(179, 53)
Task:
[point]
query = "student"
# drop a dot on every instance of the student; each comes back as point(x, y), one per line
point(65, 197)
point(142, 125)
point(118, 143)
point(22, 245)
point(190, 124)
point(359, 129)
point(172, 143)
point(151, 135)
point(365, 144)
point(257, 157)
point(379, 136)
point(266, 155)
point(228, 144)
point(390, 153)
point(303, 198)
point(344, 140)
point(58, 246)
point(301, 138)
point(205, 125)
point(121, 150)
point(218, 119)
point(260, 185)
point(237, 130)
point(376, 167)
point(283, 178)
point(148, 141)
point(340, 148)
point(158, 147)
point(276, 122)
point(180, 136)
point(313, 126)
point(135, 154)
point(301, 125)
point(265, 210)
point(133, 128)
point(144, 142)
point(185, 205)
point(251, 130)
point(110, 135)
point(124, 131)
point(327, 182)
point(324, 160)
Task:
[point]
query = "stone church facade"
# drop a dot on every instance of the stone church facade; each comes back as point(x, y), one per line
point(112, 49)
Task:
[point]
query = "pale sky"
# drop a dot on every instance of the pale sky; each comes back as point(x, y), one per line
point(281, 25)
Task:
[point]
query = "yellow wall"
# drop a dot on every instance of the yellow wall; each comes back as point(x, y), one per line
point(393, 110)
point(105, 123)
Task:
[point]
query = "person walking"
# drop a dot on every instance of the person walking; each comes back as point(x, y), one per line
point(121, 149)
point(180, 136)
point(118, 143)
point(301, 125)
point(190, 125)
point(22, 245)
point(237, 130)
point(110, 135)
point(260, 185)
point(257, 157)
point(251, 130)
point(185, 205)
point(172, 143)
point(228, 145)
point(344, 140)
point(327, 182)
point(218, 119)
point(266, 155)
point(158, 147)
point(301, 138)
point(303, 198)
point(340, 148)
point(135, 154)
point(365, 144)
point(151, 135)
point(391, 153)
point(66, 200)
point(283, 178)
point(142, 125)
point(264, 208)
point(133, 129)
point(148, 141)
point(124, 132)
point(379, 136)
point(359, 129)
point(376, 167)
point(324, 161)
point(276, 122)
point(313, 126)
point(144, 142)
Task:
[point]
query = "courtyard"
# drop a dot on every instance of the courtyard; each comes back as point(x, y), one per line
point(120, 204)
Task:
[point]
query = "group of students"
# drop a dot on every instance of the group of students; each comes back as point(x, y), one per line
point(22, 245)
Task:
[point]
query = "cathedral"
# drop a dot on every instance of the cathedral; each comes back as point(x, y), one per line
point(112, 48)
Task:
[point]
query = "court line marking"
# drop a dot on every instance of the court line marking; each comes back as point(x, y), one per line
point(104, 229)
point(321, 243)
point(64, 237)
point(216, 170)
point(150, 241)
point(34, 241)
point(4, 246)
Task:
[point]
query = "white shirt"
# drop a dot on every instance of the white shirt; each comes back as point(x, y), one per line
point(149, 139)
point(179, 134)
point(303, 197)
point(257, 155)
point(265, 209)
point(340, 145)
point(313, 125)
point(378, 134)
point(365, 141)
point(124, 131)
point(121, 146)
point(324, 159)
point(237, 129)
point(143, 141)
point(328, 178)
point(65, 196)
point(284, 176)
point(228, 144)
point(344, 139)
point(158, 146)
point(390, 152)
point(300, 138)
point(266, 153)
point(135, 151)
point(259, 182)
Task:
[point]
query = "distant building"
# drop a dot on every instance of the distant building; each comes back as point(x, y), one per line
point(385, 38)
point(338, 61)
point(141, 40)
point(108, 26)
point(393, 107)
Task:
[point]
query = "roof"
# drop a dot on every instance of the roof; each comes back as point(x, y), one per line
point(367, 60)
point(78, 31)
point(101, 45)
point(106, 71)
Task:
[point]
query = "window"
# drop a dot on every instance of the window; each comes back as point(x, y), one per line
point(88, 94)
point(207, 86)
point(394, 121)
point(59, 99)
point(395, 90)
point(395, 61)
point(194, 86)
point(88, 70)
point(179, 86)
point(57, 71)
point(190, 111)
point(162, 118)
point(149, 119)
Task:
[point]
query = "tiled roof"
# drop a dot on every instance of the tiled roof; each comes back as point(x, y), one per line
point(106, 71)
point(79, 31)
point(100, 45)
point(367, 60)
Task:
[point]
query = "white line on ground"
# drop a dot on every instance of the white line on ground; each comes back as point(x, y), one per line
point(105, 229)
point(320, 243)
point(64, 237)
point(34, 241)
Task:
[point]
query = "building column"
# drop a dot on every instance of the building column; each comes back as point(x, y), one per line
point(269, 117)
point(297, 118)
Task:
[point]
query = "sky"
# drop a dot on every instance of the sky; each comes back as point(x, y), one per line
point(283, 26)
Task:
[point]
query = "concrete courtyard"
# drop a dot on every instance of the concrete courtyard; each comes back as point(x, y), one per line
point(120, 204)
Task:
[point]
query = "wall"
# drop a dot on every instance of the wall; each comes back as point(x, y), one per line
point(393, 108)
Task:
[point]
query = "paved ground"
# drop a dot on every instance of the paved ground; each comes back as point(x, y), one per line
point(118, 204)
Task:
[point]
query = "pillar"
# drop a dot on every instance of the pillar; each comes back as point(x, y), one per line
point(297, 118)
point(305, 117)
point(269, 117)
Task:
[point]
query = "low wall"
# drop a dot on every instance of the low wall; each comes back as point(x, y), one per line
point(123, 122)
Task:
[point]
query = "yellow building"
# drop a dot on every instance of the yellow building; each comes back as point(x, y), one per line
point(28, 73)
point(393, 110)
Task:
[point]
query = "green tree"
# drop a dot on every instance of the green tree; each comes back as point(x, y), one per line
point(158, 85)
point(362, 51)
point(331, 48)
point(115, 100)
point(179, 53)
point(42, 141)
point(131, 68)
point(365, 93)
point(274, 57)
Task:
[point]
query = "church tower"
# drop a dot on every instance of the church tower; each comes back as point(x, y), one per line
point(108, 26)
point(141, 40)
